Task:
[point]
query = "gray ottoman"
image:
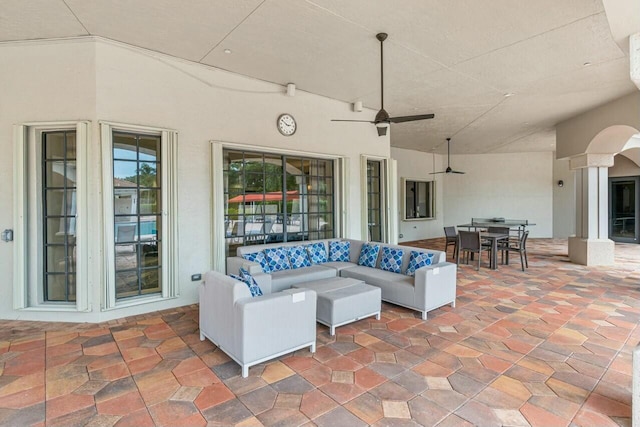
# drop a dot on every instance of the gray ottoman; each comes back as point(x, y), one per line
point(343, 300)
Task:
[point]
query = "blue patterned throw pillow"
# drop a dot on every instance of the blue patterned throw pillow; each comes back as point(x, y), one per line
point(277, 259)
point(339, 251)
point(236, 277)
point(251, 283)
point(369, 255)
point(259, 258)
point(317, 253)
point(298, 257)
point(417, 260)
point(391, 259)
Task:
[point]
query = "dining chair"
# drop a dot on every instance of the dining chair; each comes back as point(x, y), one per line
point(452, 239)
point(520, 246)
point(502, 244)
point(470, 242)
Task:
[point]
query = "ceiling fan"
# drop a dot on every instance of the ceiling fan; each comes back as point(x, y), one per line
point(383, 116)
point(448, 169)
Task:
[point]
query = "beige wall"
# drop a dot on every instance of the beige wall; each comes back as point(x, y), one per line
point(415, 164)
point(564, 200)
point(514, 186)
point(574, 135)
point(623, 167)
point(92, 79)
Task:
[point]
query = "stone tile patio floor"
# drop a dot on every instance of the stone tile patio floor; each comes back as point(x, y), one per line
point(549, 346)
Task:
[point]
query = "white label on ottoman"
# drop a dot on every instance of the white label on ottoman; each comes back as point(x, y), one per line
point(436, 271)
point(297, 297)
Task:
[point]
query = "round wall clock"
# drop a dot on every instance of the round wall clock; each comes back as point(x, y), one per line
point(286, 124)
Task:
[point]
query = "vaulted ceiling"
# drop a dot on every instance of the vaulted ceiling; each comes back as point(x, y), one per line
point(457, 59)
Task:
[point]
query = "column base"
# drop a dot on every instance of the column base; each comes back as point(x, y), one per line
point(591, 251)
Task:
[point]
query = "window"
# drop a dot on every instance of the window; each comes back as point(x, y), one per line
point(276, 198)
point(375, 213)
point(137, 203)
point(419, 202)
point(50, 230)
point(139, 166)
point(59, 215)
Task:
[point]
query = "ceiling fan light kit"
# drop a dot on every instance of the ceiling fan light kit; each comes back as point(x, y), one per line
point(382, 117)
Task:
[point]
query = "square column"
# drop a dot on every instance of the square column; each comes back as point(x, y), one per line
point(591, 245)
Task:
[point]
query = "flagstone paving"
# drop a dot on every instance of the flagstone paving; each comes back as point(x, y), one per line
point(550, 346)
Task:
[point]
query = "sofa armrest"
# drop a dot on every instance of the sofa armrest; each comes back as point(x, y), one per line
point(435, 285)
point(234, 263)
point(268, 324)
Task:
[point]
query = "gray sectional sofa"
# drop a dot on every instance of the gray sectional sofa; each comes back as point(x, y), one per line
point(432, 286)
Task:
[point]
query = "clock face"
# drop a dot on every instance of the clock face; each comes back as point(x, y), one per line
point(286, 124)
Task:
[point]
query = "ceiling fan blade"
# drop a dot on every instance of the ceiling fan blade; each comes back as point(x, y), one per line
point(459, 172)
point(359, 121)
point(436, 173)
point(402, 119)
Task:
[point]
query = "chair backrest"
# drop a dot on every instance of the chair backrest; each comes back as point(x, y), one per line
point(501, 230)
point(469, 240)
point(523, 239)
point(450, 232)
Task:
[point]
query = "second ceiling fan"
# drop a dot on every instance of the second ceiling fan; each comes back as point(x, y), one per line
point(382, 117)
point(448, 169)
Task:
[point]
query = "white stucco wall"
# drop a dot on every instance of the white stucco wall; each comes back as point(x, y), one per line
point(416, 164)
point(564, 200)
point(622, 166)
point(92, 79)
point(514, 186)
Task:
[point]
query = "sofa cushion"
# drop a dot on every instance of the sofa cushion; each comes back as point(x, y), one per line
point(277, 259)
point(251, 283)
point(298, 257)
point(339, 251)
point(339, 265)
point(417, 260)
point(369, 255)
point(260, 258)
point(317, 253)
point(391, 259)
point(285, 279)
point(395, 287)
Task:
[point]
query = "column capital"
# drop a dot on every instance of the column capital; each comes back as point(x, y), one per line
point(589, 160)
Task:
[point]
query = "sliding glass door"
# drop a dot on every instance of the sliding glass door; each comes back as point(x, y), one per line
point(624, 209)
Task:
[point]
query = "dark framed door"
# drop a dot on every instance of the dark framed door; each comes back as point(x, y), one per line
point(624, 209)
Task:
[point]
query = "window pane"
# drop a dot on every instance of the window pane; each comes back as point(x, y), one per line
point(147, 175)
point(150, 201)
point(150, 279)
point(126, 256)
point(54, 145)
point(126, 171)
point(124, 146)
point(126, 283)
point(149, 148)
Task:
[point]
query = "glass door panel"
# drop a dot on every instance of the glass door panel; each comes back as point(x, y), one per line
point(623, 209)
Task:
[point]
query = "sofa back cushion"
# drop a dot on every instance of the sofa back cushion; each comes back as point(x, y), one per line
point(298, 257)
point(260, 258)
point(417, 260)
point(369, 255)
point(277, 259)
point(317, 253)
point(339, 251)
point(391, 259)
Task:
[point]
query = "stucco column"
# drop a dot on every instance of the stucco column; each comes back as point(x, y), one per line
point(591, 245)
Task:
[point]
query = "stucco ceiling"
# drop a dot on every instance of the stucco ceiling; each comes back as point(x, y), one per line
point(454, 58)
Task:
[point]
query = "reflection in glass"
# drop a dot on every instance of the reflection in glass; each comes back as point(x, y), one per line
point(137, 209)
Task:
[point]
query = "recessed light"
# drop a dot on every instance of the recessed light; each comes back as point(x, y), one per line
point(586, 64)
point(508, 94)
point(227, 51)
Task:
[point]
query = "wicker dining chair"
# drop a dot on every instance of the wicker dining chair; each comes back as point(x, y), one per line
point(520, 246)
point(470, 242)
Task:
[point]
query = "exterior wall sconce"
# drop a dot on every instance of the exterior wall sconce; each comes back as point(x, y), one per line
point(561, 183)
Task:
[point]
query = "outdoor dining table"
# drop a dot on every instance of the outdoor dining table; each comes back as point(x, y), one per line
point(494, 238)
